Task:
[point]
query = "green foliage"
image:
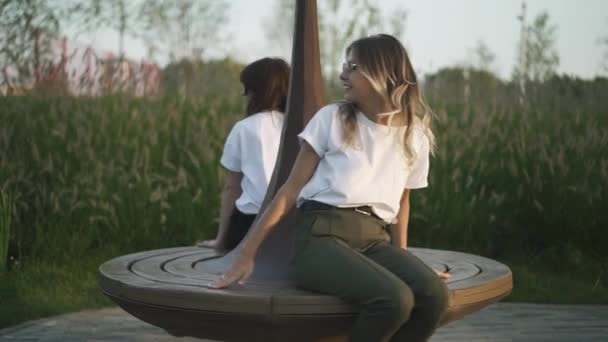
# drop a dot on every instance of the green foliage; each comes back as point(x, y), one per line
point(185, 28)
point(50, 287)
point(91, 173)
point(483, 56)
point(139, 174)
point(540, 57)
point(21, 24)
point(6, 214)
point(93, 178)
point(120, 15)
point(537, 285)
point(604, 63)
point(196, 80)
point(518, 182)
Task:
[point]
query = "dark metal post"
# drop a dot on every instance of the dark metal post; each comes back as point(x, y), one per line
point(304, 99)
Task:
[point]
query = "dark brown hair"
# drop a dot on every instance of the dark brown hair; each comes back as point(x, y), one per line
point(266, 81)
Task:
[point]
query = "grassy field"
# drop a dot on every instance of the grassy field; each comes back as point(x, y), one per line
point(44, 288)
point(91, 179)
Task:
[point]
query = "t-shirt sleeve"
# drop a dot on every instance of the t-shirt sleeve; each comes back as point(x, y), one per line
point(418, 177)
point(316, 133)
point(231, 155)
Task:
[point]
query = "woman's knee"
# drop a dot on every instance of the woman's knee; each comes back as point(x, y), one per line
point(396, 302)
point(435, 298)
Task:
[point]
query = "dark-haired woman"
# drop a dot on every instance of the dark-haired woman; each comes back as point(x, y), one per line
point(251, 149)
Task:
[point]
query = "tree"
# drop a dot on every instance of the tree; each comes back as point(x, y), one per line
point(604, 63)
point(445, 87)
point(185, 28)
point(483, 56)
point(279, 32)
point(27, 30)
point(199, 80)
point(123, 16)
point(478, 75)
point(539, 57)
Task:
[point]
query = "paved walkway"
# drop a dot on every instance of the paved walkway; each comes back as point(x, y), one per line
point(497, 323)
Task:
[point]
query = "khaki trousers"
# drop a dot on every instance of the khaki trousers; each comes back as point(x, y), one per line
point(348, 254)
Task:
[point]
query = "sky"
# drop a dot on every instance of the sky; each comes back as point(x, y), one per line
point(438, 33)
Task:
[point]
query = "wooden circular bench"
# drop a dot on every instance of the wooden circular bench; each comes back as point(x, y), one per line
point(166, 288)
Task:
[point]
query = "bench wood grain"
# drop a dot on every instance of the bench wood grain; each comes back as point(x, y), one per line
point(167, 288)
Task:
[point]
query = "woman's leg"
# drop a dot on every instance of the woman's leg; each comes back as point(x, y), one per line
point(329, 265)
point(237, 229)
point(430, 292)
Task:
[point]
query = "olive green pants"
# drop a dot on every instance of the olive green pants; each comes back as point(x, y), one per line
point(349, 255)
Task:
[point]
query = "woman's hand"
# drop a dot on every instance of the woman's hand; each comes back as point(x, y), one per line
point(239, 271)
point(442, 275)
point(207, 243)
point(302, 170)
point(216, 244)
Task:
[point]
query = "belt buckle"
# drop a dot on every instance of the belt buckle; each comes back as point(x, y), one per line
point(363, 212)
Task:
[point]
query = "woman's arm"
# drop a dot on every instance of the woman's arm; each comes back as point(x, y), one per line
point(399, 229)
point(303, 168)
point(230, 193)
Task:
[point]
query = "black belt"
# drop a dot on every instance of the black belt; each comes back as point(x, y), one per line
point(314, 205)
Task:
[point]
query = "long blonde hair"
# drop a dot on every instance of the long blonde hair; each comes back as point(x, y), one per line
point(382, 59)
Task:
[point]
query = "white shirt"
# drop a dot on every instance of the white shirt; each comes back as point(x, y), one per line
point(251, 149)
point(373, 172)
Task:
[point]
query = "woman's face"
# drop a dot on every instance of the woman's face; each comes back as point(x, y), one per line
point(357, 88)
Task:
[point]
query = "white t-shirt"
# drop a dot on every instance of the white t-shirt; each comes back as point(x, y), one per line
point(251, 149)
point(374, 172)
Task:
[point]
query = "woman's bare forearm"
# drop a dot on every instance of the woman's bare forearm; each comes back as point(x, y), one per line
point(231, 191)
point(399, 229)
point(399, 233)
point(280, 205)
point(229, 197)
point(285, 198)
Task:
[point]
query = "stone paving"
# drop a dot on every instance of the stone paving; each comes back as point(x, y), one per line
point(500, 322)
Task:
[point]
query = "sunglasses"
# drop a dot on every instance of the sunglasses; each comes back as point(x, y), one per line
point(349, 66)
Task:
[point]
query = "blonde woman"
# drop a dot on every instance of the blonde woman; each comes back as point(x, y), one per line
point(251, 149)
point(358, 162)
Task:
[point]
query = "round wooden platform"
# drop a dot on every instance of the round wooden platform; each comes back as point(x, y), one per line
point(167, 288)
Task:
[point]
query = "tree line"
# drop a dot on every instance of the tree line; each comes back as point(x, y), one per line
point(185, 32)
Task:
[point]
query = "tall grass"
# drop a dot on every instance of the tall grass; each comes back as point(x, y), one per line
point(6, 213)
point(88, 175)
point(519, 184)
